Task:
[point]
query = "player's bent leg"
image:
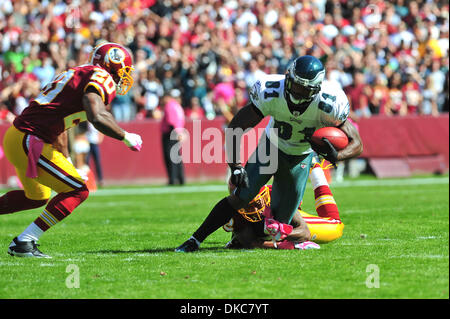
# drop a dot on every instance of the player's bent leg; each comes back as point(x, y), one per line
point(323, 230)
point(60, 207)
point(219, 216)
point(289, 186)
point(15, 201)
point(223, 211)
point(324, 201)
point(34, 194)
point(57, 173)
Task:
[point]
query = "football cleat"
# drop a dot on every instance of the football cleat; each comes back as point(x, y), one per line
point(25, 249)
point(285, 244)
point(306, 245)
point(188, 246)
point(234, 243)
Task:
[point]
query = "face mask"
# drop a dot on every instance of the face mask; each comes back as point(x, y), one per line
point(294, 100)
point(297, 101)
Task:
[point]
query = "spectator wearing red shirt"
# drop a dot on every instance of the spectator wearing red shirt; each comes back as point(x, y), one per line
point(412, 95)
point(195, 111)
point(357, 94)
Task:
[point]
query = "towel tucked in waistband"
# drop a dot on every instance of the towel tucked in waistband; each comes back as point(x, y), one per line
point(35, 146)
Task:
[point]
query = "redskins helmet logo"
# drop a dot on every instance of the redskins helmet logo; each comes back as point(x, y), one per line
point(116, 55)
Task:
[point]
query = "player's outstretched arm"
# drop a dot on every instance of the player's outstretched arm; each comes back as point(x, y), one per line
point(104, 121)
point(247, 117)
point(354, 147)
point(97, 114)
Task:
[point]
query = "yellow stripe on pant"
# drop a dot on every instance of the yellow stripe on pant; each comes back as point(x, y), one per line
point(54, 170)
point(323, 230)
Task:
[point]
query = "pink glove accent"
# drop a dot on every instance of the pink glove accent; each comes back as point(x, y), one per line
point(133, 141)
point(286, 244)
point(307, 245)
point(35, 146)
point(277, 230)
point(136, 148)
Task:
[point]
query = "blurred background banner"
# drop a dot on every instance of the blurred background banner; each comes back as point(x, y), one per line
point(393, 147)
point(390, 57)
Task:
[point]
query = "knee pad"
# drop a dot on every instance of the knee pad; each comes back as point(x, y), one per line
point(83, 193)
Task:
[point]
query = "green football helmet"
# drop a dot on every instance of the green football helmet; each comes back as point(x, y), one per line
point(303, 81)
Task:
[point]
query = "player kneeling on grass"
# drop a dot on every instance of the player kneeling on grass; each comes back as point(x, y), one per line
point(35, 144)
point(255, 227)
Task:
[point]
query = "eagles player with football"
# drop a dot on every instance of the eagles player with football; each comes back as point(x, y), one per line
point(36, 143)
point(298, 104)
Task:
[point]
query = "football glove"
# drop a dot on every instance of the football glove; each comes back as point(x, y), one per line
point(277, 230)
point(239, 176)
point(133, 141)
point(327, 151)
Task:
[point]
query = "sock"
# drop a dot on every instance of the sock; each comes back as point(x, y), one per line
point(61, 206)
point(15, 201)
point(196, 241)
point(219, 216)
point(325, 204)
point(33, 232)
point(317, 176)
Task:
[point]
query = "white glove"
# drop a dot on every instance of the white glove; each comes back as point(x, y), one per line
point(133, 141)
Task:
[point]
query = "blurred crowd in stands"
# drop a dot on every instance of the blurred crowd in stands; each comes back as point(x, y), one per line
point(391, 57)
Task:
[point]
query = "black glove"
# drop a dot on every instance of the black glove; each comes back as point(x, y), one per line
point(239, 176)
point(327, 151)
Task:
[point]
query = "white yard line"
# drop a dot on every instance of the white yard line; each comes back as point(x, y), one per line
point(223, 188)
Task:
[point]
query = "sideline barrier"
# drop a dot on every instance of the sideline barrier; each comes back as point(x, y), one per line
point(403, 146)
point(394, 146)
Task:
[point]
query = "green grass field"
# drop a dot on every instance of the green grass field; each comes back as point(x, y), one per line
point(121, 242)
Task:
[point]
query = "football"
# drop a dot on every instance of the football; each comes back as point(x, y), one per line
point(336, 137)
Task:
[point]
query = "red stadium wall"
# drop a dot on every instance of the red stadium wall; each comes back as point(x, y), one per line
point(403, 146)
point(394, 147)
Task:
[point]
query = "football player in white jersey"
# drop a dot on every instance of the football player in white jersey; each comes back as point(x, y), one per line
point(298, 104)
